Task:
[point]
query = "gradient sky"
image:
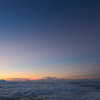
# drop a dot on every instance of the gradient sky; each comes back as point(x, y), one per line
point(57, 38)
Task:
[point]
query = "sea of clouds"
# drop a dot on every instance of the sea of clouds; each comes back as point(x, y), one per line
point(50, 89)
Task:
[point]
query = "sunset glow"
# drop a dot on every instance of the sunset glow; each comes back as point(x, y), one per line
point(49, 38)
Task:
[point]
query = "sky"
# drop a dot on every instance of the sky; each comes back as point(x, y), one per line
point(56, 38)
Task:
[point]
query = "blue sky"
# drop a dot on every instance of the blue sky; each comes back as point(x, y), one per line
point(49, 38)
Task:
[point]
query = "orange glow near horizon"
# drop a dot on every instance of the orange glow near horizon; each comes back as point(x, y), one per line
point(37, 78)
point(37, 75)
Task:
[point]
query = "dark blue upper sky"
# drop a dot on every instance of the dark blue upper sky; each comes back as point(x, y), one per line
point(47, 32)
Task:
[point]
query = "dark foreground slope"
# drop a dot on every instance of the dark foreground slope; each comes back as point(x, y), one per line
point(50, 90)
